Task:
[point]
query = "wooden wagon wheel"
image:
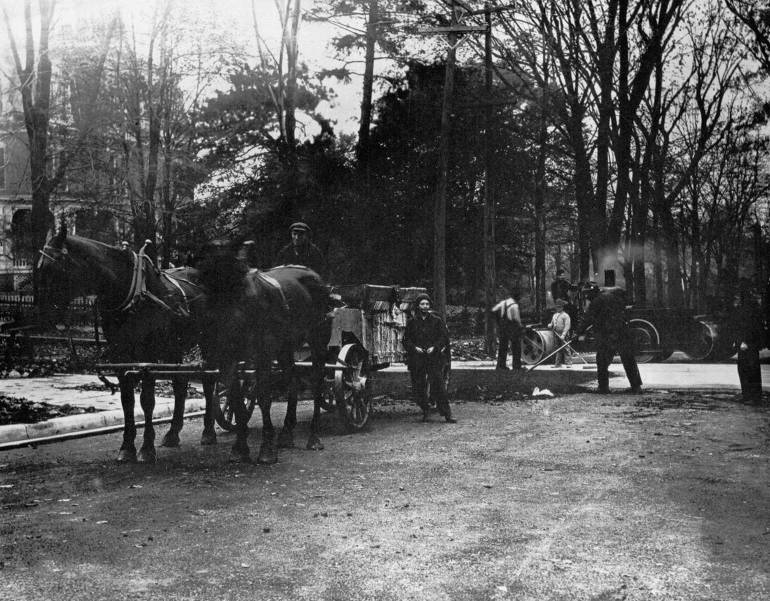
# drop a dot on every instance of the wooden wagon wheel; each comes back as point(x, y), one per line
point(352, 387)
point(329, 398)
point(225, 412)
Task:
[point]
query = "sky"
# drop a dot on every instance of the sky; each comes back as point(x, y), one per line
point(235, 16)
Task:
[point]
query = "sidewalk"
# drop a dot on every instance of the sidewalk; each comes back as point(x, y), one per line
point(88, 392)
point(83, 391)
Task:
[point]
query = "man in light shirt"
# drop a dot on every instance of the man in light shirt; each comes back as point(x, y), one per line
point(561, 324)
point(509, 331)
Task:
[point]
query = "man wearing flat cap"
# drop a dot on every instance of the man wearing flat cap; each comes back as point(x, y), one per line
point(301, 251)
point(426, 341)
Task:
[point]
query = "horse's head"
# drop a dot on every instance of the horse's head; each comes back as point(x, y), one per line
point(222, 272)
point(51, 273)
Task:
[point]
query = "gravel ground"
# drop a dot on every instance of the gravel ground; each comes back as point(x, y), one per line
point(657, 496)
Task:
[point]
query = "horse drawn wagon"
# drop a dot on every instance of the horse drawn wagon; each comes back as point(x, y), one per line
point(366, 333)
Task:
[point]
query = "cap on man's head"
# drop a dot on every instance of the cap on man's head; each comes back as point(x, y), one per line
point(299, 226)
point(421, 297)
point(559, 302)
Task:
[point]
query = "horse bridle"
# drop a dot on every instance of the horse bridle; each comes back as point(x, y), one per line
point(57, 255)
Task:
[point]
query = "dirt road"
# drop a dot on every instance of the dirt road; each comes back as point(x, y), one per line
point(659, 496)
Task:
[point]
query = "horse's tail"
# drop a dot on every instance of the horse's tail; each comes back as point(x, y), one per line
point(222, 273)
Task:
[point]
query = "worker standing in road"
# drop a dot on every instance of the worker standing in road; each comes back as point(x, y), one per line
point(746, 327)
point(561, 325)
point(426, 341)
point(607, 314)
point(509, 330)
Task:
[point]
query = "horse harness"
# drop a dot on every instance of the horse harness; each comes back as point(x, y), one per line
point(276, 285)
point(138, 289)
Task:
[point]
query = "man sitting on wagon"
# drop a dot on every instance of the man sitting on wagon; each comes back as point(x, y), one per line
point(301, 251)
point(426, 341)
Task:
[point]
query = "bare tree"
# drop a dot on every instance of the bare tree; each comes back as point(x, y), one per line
point(34, 80)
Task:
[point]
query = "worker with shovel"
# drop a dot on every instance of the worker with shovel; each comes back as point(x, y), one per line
point(561, 324)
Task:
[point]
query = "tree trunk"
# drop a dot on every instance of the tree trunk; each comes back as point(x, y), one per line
point(640, 207)
point(366, 102)
point(598, 219)
point(490, 213)
point(540, 194)
point(583, 195)
point(290, 103)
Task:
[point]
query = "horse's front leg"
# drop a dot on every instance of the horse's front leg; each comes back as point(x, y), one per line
point(240, 451)
point(286, 437)
point(209, 436)
point(147, 400)
point(171, 439)
point(268, 451)
point(127, 452)
point(319, 365)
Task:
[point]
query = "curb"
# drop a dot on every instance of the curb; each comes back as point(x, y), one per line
point(88, 421)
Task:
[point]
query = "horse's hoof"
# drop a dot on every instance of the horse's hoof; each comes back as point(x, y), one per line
point(268, 454)
point(239, 457)
point(314, 444)
point(171, 439)
point(127, 456)
point(147, 456)
point(208, 439)
point(286, 439)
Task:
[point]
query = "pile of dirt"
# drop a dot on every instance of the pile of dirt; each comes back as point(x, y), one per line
point(14, 410)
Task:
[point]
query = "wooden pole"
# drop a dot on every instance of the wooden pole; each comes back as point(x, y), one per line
point(439, 210)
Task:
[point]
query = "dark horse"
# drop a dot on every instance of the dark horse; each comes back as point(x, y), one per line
point(147, 315)
point(257, 317)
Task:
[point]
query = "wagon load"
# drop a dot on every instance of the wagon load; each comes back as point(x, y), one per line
point(366, 336)
point(374, 317)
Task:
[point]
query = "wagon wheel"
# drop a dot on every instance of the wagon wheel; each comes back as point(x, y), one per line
point(700, 343)
point(532, 347)
point(329, 398)
point(224, 411)
point(645, 340)
point(352, 387)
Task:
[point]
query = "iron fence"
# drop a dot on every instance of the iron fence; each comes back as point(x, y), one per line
point(20, 307)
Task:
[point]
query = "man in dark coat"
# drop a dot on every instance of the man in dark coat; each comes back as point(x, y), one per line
point(426, 341)
point(607, 314)
point(746, 327)
point(301, 251)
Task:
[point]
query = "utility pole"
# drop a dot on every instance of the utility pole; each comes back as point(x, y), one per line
point(439, 207)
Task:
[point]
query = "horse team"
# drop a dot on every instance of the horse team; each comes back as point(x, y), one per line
point(236, 316)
